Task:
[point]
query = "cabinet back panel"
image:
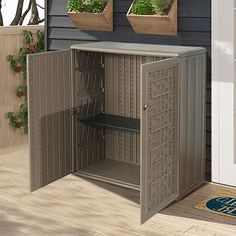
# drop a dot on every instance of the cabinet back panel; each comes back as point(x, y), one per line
point(122, 97)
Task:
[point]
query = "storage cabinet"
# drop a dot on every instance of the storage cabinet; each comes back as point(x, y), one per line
point(126, 114)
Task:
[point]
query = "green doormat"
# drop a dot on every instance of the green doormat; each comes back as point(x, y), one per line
point(223, 202)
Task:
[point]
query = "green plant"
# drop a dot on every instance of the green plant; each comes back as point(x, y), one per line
point(150, 7)
point(161, 7)
point(21, 91)
point(18, 63)
point(19, 119)
point(40, 42)
point(142, 7)
point(31, 45)
point(96, 6)
point(13, 119)
point(75, 5)
point(93, 6)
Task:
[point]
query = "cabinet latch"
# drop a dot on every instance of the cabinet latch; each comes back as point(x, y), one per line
point(75, 111)
point(146, 107)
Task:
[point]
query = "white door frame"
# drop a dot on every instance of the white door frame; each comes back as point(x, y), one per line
point(223, 108)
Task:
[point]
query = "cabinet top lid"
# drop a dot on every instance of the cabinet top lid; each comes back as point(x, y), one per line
point(139, 49)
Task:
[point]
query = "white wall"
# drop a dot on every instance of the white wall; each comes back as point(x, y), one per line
point(223, 94)
point(9, 9)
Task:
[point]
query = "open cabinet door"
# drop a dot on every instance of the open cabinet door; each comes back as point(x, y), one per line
point(158, 136)
point(50, 122)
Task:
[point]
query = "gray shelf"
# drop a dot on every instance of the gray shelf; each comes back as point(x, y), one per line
point(116, 122)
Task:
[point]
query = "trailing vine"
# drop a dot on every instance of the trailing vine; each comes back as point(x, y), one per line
point(18, 64)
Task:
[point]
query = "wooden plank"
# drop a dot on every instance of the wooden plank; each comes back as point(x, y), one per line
point(97, 208)
point(11, 40)
point(17, 30)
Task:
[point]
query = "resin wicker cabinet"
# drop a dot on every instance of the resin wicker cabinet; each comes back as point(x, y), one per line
point(127, 114)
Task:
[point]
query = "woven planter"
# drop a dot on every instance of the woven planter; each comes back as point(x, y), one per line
point(155, 24)
point(94, 21)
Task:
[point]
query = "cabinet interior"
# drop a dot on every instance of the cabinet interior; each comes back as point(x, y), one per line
point(107, 128)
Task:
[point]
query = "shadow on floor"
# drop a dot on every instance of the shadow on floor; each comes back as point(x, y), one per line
point(184, 208)
point(18, 222)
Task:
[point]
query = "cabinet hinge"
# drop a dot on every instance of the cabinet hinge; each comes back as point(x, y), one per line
point(75, 111)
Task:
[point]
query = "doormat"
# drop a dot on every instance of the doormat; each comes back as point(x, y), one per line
point(222, 202)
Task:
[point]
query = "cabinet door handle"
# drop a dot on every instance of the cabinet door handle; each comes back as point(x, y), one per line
point(146, 106)
point(75, 111)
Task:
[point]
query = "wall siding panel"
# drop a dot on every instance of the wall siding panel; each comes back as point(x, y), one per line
point(194, 29)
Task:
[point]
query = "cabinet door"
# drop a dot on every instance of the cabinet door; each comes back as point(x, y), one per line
point(50, 122)
point(159, 159)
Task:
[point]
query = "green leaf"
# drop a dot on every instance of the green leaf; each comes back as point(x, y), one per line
point(96, 6)
point(18, 63)
point(75, 5)
point(142, 7)
point(161, 7)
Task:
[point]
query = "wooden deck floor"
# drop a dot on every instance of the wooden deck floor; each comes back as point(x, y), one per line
point(75, 206)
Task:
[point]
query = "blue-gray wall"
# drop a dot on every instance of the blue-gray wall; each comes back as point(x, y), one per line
point(194, 26)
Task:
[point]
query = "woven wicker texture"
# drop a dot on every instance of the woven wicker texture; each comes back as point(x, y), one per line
point(159, 133)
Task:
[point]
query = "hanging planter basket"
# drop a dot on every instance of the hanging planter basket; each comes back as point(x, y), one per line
point(154, 24)
point(94, 21)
